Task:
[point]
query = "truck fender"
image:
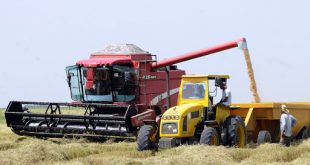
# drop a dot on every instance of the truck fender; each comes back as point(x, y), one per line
point(138, 120)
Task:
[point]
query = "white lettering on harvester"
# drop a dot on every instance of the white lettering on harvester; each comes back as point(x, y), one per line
point(148, 77)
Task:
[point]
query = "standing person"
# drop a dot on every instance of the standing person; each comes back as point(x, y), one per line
point(287, 121)
point(226, 94)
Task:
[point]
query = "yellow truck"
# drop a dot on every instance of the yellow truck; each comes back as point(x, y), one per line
point(197, 119)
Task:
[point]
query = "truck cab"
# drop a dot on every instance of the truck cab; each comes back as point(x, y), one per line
point(194, 106)
point(196, 119)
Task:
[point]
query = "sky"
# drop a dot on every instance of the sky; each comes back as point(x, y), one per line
point(38, 39)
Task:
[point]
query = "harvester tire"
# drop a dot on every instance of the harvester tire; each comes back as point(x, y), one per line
point(234, 132)
point(263, 137)
point(145, 139)
point(209, 136)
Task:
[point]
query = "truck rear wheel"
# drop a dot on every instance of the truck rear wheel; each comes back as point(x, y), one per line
point(147, 138)
point(263, 137)
point(209, 136)
point(234, 132)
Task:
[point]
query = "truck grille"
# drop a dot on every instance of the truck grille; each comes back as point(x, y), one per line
point(169, 128)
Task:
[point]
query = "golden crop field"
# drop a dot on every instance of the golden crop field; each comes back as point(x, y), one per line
point(16, 149)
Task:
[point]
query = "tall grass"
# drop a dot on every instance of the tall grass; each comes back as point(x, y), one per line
point(16, 149)
point(2, 120)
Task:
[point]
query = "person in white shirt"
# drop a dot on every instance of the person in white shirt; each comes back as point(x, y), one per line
point(287, 121)
point(226, 95)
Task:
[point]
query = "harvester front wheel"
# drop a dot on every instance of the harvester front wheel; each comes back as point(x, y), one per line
point(209, 136)
point(235, 132)
point(263, 137)
point(147, 138)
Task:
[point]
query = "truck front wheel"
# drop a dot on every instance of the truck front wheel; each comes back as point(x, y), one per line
point(147, 138)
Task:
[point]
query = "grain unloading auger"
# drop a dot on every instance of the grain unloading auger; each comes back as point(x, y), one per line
point(115, 92)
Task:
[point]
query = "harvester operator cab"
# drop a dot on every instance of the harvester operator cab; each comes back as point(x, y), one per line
point(94, 84)
point(97, 81)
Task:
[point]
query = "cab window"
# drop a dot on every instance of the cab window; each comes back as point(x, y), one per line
point(193, 90)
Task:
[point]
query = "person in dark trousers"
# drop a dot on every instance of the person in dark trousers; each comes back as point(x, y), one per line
point(287, 121)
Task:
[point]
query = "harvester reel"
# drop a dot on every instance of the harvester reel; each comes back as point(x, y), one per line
point(54, 109)
point(89, 111)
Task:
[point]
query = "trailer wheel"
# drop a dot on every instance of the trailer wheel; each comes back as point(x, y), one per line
point(209, 136)
point(234, 132)
point(303, 134)
point(263, 137)
point(147, 138)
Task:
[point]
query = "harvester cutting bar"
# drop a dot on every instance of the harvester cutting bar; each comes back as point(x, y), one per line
point(101, 117)
point(57, 119)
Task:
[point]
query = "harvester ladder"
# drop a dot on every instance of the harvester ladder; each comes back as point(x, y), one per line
point(144, 70)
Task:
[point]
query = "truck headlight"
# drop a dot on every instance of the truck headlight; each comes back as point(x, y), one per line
point(169, 128)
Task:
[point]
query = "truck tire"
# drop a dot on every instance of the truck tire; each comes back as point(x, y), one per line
point(145, 140)
point(234, 132)
point(263, 137)
point(209, 136)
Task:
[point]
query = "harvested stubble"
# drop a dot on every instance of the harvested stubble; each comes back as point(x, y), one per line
point(25, 150)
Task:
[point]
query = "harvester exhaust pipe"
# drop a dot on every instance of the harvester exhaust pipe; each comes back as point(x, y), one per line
point(241, 43)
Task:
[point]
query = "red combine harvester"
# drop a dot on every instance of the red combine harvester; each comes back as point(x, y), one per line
point(116, 91)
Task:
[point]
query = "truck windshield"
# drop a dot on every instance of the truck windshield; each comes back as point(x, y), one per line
point(102, 84)
point(193, 90)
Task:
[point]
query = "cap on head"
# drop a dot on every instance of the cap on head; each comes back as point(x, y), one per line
point(284, 108)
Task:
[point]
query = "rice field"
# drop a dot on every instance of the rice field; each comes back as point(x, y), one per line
point(26, 150)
